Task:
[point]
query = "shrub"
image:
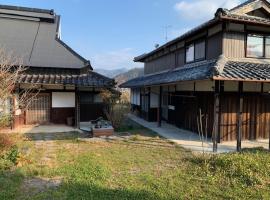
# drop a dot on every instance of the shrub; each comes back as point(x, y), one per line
point(5, 120)
point(5, 143)
point(114, 109)
point(13, 154)
point(8, 152)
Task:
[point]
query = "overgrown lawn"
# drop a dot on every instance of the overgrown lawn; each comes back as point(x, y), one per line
point(140, 166)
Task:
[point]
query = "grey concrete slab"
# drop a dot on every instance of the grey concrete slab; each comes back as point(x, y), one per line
point(192, 141)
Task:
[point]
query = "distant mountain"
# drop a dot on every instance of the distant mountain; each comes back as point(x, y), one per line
point(133, 73)
point(111, 73)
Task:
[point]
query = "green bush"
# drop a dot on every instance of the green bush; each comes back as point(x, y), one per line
point(5, 164)
point(8, 152)
point(249, 168)
point(13, 154)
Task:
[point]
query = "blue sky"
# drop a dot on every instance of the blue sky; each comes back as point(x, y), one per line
point(111, 32)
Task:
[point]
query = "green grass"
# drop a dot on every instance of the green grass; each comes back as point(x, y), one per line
point(142, 167)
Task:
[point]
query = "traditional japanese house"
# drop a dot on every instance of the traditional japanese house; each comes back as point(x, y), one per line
point(67, 85)
point(220, 69)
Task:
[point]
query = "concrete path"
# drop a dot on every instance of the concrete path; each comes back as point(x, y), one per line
point(192, 141)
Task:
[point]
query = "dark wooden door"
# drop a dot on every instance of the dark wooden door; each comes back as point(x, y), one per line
point(39, 110)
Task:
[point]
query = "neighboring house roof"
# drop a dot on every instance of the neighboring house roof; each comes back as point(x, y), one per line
point(33, 35)
point(221, 14)
point(20, 8)
point(64, 77)
point(220, 69)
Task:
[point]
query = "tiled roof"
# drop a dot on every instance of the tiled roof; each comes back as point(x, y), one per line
point(245, 71)
point(64, 77)
point(220, 69)
point(226, 14)
point(196, 71)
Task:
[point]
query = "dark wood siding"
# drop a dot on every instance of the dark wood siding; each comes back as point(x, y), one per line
point(180, 57)
point(214, 46)
point(187, 110)
point(256, 117)
point(234, 45)
point(91, 112)
point(160, 64)
point(60, 115)
point(39, 109)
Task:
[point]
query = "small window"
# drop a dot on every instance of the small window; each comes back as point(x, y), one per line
point(190, 53)
point(200, 50)
point(255, 46)
point(195, 51)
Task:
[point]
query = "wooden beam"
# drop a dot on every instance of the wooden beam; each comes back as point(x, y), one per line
point(160, 107)
point(216, 116)
point(77, 108)
point(240, 113)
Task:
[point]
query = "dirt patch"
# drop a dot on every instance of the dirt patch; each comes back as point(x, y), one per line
point(36, 185)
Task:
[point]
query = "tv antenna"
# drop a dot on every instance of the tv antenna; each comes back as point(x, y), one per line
point(166, 28)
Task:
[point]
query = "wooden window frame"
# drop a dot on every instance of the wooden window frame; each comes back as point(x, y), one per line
point(264, 36)
point(194, 53)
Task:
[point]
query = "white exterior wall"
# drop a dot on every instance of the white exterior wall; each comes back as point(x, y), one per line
point(266, 87)
point(231, 86)
point(252, 87)
point(63, 100)
point(200, 86)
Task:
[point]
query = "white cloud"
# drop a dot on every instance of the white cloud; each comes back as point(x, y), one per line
point(122, 58)
point(202, 9)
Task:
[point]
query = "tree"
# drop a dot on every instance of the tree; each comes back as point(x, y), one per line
point(115, 109)
point(11, 69)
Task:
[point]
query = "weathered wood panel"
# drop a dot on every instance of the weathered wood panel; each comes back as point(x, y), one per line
point(187, 109)
point(214, 46)
point(255, 121)
point(234, 45)
point(180, 57)
point(160, 64)
point(60, 115)
point(39, 110)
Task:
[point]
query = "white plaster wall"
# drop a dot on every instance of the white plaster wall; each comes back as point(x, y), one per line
point(185, 86)
point(63, 99)
point(204, 86)
point(231, 86)
point(252, 87)
point(266, 87)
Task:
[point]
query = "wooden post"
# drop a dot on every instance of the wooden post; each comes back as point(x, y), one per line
point(216, 116)
point(160, 107)
point(77, 108)
point(240, 112)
